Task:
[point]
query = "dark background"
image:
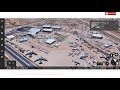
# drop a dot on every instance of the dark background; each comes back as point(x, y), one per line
point(60, 6)
point(2, 65)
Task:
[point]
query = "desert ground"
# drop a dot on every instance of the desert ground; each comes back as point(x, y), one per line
point(74, 39)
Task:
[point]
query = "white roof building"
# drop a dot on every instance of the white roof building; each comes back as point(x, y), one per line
point(107, 45)
point(10, 36)
point(50, 41)
point(97, 36)
point(23, 39)
point(46, 26)
point(47, 30)
point(56, 27)
point(34, 31)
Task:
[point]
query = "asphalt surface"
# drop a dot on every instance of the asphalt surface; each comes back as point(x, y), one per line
point(20, 58)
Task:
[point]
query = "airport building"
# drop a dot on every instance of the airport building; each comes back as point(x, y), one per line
point(56, 27)
point(97, 36)
point(23, 39)
point(46, 26)
point(50, 41)
point(49, 30)
point(10, 37)
point(33, 32)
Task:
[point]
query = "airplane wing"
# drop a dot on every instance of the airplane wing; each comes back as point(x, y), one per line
point(45, 59)
point(37, 60)
point(76, 63)
point(34, 53)
point(28, 53)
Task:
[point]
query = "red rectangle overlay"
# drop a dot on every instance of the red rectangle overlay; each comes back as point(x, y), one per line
point(110, 13)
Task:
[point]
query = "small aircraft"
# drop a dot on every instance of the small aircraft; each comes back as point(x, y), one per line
point(22, 50)
point(31, 53)
point(76, 63)
point(57, 45)
point(41, 59)
point(84, 56)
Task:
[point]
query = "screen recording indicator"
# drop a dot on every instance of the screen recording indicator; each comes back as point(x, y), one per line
point(60, 43)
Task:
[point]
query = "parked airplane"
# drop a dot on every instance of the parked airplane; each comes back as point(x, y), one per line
point(41, 59)
point(84, 56)
point(31, 53)
point(76, 63)
point(57, 45)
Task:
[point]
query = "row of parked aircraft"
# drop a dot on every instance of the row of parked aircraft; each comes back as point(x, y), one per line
point(39, 59)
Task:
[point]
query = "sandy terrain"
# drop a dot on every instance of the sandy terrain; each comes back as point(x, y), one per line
point(60, 56)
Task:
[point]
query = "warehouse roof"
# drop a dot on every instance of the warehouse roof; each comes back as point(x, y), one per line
point(10, 36)
point(23, 39)
point(46, 26)
point(50, 41)
point(97, 35)
point(107, 45)
point(56, 27)
point(33, 31)
point(47, 30)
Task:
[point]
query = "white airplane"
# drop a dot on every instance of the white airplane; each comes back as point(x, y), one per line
point(56, 45)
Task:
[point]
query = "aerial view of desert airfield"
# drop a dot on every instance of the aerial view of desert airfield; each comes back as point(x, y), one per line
point(63, 42)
